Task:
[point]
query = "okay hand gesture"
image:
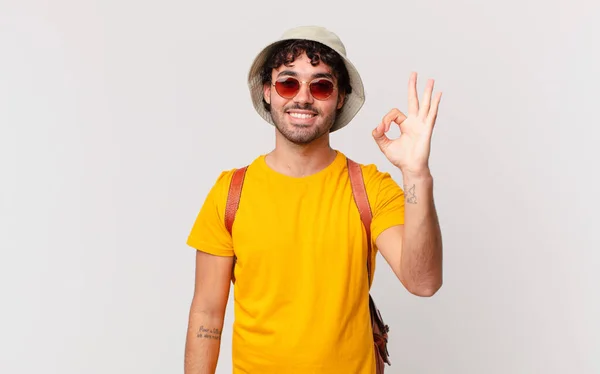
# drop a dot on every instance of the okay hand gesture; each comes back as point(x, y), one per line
point(410, 151)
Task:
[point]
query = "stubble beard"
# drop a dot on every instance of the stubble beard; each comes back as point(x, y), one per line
point(298, 134)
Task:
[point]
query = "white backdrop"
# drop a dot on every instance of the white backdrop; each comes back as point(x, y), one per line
point(117, 116)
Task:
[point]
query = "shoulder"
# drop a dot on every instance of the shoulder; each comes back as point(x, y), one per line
point(225, 177)
point(379, 183)
point(371, 173)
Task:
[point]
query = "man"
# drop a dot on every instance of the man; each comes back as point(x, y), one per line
point(301, 285)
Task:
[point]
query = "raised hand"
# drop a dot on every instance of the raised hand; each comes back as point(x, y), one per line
point(410, 151)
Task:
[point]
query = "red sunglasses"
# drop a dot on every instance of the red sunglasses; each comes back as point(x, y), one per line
point(320, 88)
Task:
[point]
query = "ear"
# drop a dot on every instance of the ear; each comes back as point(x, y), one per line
point(341, 100)
point(267, 92)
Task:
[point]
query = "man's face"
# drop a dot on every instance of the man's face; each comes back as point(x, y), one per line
point(302, 118)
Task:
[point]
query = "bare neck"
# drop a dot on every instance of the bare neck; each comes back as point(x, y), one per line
point(300, 160)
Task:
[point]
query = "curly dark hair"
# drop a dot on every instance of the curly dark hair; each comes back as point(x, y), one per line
point(287, 51)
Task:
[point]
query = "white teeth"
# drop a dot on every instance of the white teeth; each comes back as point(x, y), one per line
point(301, 115)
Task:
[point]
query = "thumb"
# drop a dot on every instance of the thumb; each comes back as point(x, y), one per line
point(380, 138)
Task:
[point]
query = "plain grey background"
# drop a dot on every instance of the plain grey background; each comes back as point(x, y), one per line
point(117, 116)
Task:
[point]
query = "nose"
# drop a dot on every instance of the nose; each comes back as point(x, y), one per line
point(303, 95)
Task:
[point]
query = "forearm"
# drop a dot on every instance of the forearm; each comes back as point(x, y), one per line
point(421, 260)
point(203, 342)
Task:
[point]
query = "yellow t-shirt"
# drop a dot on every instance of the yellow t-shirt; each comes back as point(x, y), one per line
point(301, 291)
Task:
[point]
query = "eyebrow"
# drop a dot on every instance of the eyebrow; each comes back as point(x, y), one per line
point(316, 75)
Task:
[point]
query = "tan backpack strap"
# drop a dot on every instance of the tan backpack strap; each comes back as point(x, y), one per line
point(233, 197)
point(380, 329)
point(233, 202)
point(359, 192)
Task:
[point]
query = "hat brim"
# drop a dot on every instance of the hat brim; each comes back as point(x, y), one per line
point(353, 101)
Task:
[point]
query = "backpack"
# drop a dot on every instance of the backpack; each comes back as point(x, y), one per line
point(380, 329)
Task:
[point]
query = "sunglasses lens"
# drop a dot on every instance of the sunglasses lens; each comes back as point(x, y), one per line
point(287, 87)
point(321, 89)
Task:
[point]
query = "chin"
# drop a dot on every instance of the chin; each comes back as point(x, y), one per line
point(301, 138)
point(299, 134)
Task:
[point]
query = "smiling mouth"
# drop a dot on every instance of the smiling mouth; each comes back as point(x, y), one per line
point(301, 115)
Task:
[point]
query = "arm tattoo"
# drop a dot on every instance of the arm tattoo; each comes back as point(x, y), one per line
point(204, 333)
point(411, 196)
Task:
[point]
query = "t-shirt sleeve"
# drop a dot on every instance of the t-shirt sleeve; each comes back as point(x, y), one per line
point(386, 199)
point(208, 233)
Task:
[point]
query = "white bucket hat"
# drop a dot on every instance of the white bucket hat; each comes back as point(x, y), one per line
point(353, 101)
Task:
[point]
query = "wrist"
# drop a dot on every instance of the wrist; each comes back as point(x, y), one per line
point(416, 176)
